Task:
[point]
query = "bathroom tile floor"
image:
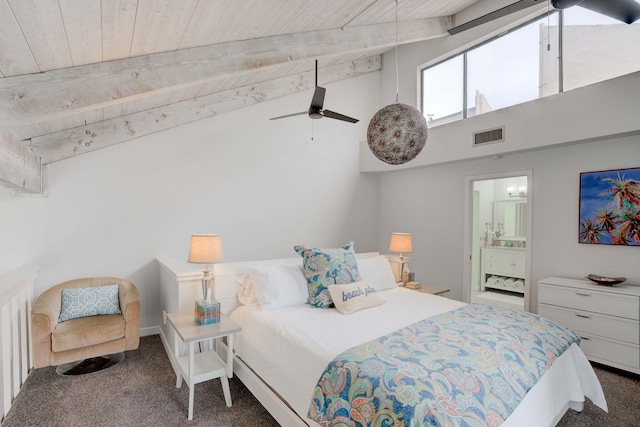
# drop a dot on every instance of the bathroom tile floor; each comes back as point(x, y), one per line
point(499, 298)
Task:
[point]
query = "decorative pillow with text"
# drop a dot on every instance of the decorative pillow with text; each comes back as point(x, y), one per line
point(354, 297)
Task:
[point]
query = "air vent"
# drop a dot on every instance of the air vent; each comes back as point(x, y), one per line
point(488, 136)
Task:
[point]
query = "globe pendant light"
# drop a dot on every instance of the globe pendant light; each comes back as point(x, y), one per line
point(397, 133)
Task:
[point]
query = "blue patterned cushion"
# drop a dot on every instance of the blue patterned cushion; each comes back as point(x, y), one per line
point(326, 267)
point(82, 302)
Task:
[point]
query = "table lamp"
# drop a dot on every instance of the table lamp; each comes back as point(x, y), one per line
point(400, 243)
point(206, 249)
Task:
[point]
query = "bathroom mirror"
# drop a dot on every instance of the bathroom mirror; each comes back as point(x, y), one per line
point(512, 214)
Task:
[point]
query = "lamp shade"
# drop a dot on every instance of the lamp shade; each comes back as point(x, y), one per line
point(205, 248)
point(400, 242)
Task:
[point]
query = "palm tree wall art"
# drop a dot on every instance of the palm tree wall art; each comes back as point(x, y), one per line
point(610, 207)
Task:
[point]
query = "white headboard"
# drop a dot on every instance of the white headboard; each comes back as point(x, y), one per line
point(181, 285)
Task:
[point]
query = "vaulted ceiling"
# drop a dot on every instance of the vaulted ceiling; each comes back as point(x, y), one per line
point(79, 75)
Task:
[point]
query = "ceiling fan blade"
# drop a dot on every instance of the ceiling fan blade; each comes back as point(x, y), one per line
point(318, 97)
point(623, 10)
point(290, 115)
point(338, 116)
point(507, 10)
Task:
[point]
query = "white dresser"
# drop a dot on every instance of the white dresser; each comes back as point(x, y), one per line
point(507, 263)
point(607, 318)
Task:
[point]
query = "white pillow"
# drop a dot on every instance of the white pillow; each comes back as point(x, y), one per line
point(279, 285)
point(354, 296)
point(247, 294)
point(378, 271)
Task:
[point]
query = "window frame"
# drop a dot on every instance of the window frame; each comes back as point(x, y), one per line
point(464, 51)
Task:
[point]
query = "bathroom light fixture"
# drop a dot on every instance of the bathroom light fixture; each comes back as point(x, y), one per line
point(206, 249)
point(522, 192)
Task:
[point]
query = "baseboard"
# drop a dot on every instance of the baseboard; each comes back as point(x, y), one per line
point(152, 330)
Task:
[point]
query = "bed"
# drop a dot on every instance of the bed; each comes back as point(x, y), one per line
point(286, 346)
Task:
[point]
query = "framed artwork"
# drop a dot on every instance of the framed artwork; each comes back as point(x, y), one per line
point(610, 207)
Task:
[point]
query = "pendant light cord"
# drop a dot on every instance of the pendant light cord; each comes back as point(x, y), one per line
point(397, 75)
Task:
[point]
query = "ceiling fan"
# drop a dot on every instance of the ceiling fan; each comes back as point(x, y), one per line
point(315, 109)
point(623, 10)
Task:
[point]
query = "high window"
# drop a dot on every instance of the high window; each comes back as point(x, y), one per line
point(528, 62)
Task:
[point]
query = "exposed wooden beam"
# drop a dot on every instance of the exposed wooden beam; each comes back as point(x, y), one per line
point(30, 98)
point(19, 166)
point(84, 139)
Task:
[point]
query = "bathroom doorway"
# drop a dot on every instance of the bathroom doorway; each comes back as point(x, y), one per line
point(497, 239)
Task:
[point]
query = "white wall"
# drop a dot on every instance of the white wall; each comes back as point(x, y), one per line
point(22, 223)
point(594, 112)
point(587, 113)
point(587, 129)
point(432, 200)
point(263, 185)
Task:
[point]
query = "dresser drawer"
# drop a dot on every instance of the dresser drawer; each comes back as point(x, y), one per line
point(603, 350)
point(589, 300)
point(615, 328)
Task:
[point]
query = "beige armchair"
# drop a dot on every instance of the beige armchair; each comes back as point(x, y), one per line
point(56, 343)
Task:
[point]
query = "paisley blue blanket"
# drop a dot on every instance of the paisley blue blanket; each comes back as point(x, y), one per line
point(467, 367)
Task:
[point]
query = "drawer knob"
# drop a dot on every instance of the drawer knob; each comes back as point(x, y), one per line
point(586, 338)
point(584, 316)
point(582, 294)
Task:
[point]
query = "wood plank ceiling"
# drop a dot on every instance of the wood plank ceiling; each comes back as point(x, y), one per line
point(79, 75)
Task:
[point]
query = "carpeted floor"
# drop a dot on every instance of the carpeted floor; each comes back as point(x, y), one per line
point(141, 392)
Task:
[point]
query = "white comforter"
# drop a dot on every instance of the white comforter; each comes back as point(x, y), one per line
point(290, 348)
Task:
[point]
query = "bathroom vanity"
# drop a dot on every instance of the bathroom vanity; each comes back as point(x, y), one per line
point(505, 263)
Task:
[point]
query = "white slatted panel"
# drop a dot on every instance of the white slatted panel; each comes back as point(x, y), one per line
point(83, 26)
point(160, 25)
point(25, 337)
point(384, 10)
point(29, 131)
point(5, 362)
point(187, 93)
point(118, 21)
point(42, 128)
point(42, 25)
point(15, 345)
point(211, 13)
point(16, 294)
point(63, 33)
point(219, 21)
point(146, 103)
point(112, 111)
point(82, 119)
point(253, 78)
point(43, 35)
point(16, 56)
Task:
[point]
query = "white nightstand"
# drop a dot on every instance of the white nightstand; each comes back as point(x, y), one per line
point(432, 289)
point(207, 365)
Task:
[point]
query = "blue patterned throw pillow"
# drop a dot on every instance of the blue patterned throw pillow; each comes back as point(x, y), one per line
point(326, 267)
point(83, 302)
